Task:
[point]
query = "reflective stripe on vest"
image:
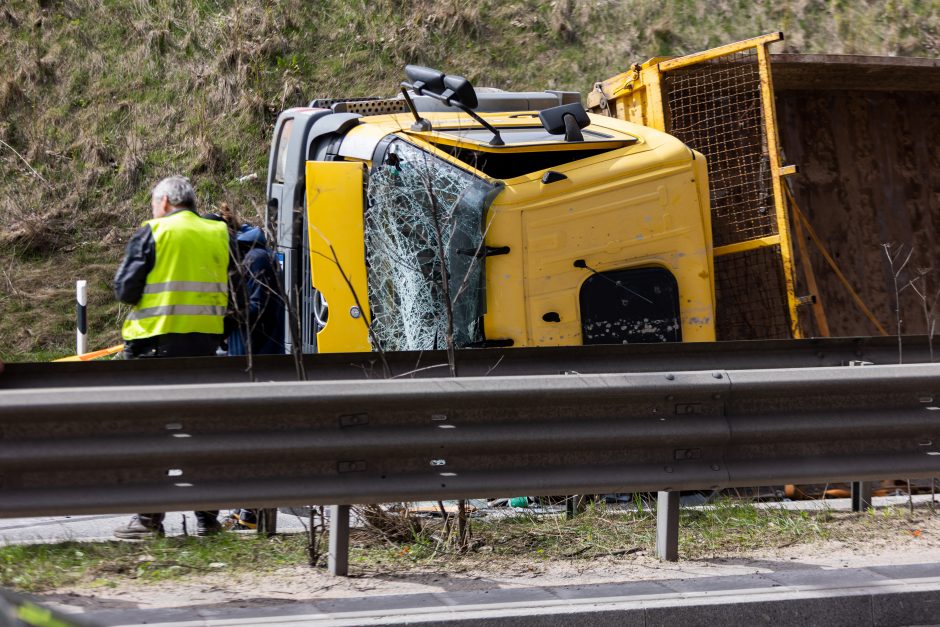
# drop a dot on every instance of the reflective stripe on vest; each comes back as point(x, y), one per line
point(187, 289)
point(176, 310)
point(185, 286)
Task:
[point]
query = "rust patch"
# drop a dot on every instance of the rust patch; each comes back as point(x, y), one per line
point(869, 175)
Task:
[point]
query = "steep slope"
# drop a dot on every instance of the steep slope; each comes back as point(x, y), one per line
point(99, 98)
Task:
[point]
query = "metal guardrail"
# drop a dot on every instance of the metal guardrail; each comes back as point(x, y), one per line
point(160, 447)
point(488, 362)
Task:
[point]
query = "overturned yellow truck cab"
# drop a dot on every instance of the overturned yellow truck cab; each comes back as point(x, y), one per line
point(496, 219)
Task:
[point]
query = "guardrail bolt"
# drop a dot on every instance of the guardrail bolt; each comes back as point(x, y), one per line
point(716, 467)
point(668, 468)
point(716, 375)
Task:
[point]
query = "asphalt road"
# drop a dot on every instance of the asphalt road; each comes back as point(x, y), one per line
point(99, 527)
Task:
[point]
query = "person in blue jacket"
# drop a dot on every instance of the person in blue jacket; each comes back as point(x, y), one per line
point(260, 328)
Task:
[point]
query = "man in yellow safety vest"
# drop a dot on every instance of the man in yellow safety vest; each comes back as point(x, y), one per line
point(175, 274)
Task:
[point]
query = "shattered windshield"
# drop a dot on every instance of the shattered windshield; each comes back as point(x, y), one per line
point(424, 222)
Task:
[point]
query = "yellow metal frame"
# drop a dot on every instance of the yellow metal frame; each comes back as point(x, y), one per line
point(751, 244)
point(637, 96)
point(769, 111)
point(721, 51)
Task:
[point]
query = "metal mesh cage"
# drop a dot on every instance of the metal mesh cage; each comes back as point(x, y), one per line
point(752, 302)
point(715, 108)
point(372, 107)
point(328, 103)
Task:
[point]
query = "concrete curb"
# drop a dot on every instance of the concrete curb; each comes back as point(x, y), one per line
point(877, 596)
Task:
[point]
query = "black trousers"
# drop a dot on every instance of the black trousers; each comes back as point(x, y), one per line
point(173, 345)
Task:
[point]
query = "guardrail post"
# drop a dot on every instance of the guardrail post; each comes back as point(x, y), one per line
point(861, 495)
point(667, 526)
point(267, 521)
point(338, 561)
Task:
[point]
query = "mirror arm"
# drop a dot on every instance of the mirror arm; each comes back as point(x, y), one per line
point(420, 124)
point(572, 130)
point(497, 140)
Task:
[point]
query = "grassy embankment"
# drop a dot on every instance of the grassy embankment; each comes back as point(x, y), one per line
point(99, 98)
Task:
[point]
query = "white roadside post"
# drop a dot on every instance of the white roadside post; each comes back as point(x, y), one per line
point(81, 318)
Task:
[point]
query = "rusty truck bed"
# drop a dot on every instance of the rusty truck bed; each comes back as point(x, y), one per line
point(865, 133)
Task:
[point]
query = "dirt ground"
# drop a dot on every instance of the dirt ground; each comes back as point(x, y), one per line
point(856, 541)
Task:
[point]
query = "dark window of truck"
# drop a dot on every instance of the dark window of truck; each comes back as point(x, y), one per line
point(635, 306)
point(539, 150)
point(508, 165)
point(422, 208)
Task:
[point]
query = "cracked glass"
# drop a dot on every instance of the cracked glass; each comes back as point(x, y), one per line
point(424, 225)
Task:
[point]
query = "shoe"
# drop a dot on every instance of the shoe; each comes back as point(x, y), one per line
point(246, 518)
point(136, 530)
point(208, 527)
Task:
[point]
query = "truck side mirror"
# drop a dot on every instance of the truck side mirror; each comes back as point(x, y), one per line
point(459, 90)
point(567, 119)
point(453, 91)
point(425, 78)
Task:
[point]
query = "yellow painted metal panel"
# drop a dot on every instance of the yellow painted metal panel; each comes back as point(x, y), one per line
point(337, 255)
point(655, 111)
point(705, 217)
point(626, 210)
point(505, 317)
point(442, 138)
point(641, 94)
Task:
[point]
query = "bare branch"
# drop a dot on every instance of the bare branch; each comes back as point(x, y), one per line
point(417, 370)
point(23, 159)
point(352, 290)
point(494, 366)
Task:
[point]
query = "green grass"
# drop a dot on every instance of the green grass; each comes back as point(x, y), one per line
point(722, 529)
point(38, 567)
point(730, 526)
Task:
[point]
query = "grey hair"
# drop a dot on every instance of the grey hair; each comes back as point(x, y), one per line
point(178, 191)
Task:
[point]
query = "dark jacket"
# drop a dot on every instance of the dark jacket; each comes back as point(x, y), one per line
point(139, 259)
point(263, 314)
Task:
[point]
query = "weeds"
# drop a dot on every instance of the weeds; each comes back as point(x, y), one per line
point(99, 100)
point(44, 566)
point(722, 529)
point(727, 527)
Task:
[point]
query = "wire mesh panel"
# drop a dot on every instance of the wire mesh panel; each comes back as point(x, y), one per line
point(751, 295)
point(715, 107)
